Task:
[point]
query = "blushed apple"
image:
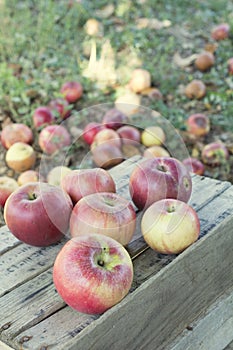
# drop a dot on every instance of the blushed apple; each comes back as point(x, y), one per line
point(7, 186)
point(196, 89)
point(72, 91)
point(198, 124)
point(107, 155)
point(155, 151)
point(169, 226)
point(159, 178)
point(214, 153)
point(38, 213)
point(204, 61)
point(114, 119)
point(53, 138)
point(130, 135)
point(90, 130)
point(60, 107)
point(153, 135)
point(16, 132)
point(92, 273)
point(20, 157)
point(56, 174)
point(194, 165)
point(80, 183)
point(221, 31)
point(106, 136)
point(104, 213)
point(29, 176)
point(42, 116)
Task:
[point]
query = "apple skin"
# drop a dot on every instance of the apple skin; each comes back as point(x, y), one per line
point(230, 65)
point(7, 186)
point(196, 89)
point(104, 213)
point(155, 151)
point(194, 165)
point(159, 178)
point(42, 116)
point(106, 136)
point(198, 124)
point(90, 130)
point(38, 213)
point(20, 157)
point(53, 138)
point(114, 119)
point(61, 107)
point(129, 135)
point(153, 135)
point(72, 91)
point(220, 32)
point(16, 132)
point(204, 61)
point(56, 174)
point(92, 273)
point(107, 155)
point(140, 80)
point(169, 226)
point(214, 153)
point(29, 176)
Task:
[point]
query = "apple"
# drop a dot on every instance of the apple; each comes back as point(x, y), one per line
point(42, 116)
point(93, 27)
point(198, 124)
point(230, 65)
point(169, 226)
point(107, 155)
point(60, 107)
point(38, 213)
point(214, 153)
point(92, 273)
point(72, 91)
point(20, 157)
point(79, 183)
point(196, 89)
point(159, 178)
point(90, 130)
point(130, 135)
point(106, 136)
point(204, 61)
point(140, 80)
point(152, 135)
point(155, 151)
point(56, 174)
point(29, 176)
point(7, 186)
point(104, 213)
point(16, 132)
point(53, 138)
point(114, 119)
point(220, 32)
point(194, 165)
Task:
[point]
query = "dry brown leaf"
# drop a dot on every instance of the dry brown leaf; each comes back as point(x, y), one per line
point(184, 62)
point(210, 47)
point(106, 11)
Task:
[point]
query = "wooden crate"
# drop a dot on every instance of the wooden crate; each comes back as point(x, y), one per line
point(168, 293)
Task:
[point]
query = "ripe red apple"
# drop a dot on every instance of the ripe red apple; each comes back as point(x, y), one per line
point(159, 178)
point(7, 186)
point(194, 165)
point(105, 213)
point(106, 155)
point(155, 151)
point(153, 135)
point(16, 132)
point(56, 174)
point(169, 226)
point(220, 32)
point(92, 273)
point(90, 130)
point(106, 136)
point(114, 119)
point(53, 138)
point(60, 107)
point(230, 65)
point(214, 153)
point(79, 183)
point(20, 157)
point(204, 61)
point(29, 176)
point(72, 91)
point(42, 116)
point(140, 80)
point(38, 213)
point(196, 89)
point(130, 135)
point(198, 124)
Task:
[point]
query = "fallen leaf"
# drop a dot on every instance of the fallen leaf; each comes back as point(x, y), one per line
point(152, 23)
point(184, 62)
point(106, 11)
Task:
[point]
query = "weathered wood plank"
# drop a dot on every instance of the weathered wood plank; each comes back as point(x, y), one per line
point(4, 346)
point(8, 241)
point(229, 346)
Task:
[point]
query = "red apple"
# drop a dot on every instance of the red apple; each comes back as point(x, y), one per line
point(7, 186)
point(155, 151)
point(16, 132)
point(196, 89)
point(153, 135)
point(20, 157)
point(194, 165)
point(60, 107)
point(204, 61)
point(56, 174)
point(72, 91)
point(230, 65)
point(106, 136)
point(38, 213)
point(198, 124)
point(105, 213)
point(114, 119)
point(159, 178)
point(79, 183)
point(214, 153)
point(29, 176)
point(42, 116)
point(90, 130)
point(92, 273)
point(106, 155)
point(130, 135)
point(169, 226)
point(53, 138)
point(221, 31)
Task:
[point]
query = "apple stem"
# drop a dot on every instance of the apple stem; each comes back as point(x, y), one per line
point(171, 209)
point(100, 262)
point(162, 168)
point(32, 196)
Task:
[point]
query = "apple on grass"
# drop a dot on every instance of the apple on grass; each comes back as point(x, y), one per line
point(196, 89)
point(53, 138)
point(7, 186)
point(90, 130)
point(153, 135)
point(106, 136)
point(42, 116)
point(198, 124)
point(104, 213)
point(169, 226)
point(60, 107)
point(159, 178)
point(16, 132)
point(72, 91)
point(221, 31)
point(20, 157)
point(214, 153)
point(93, 273)
point(38, 213)
point(80, 183)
